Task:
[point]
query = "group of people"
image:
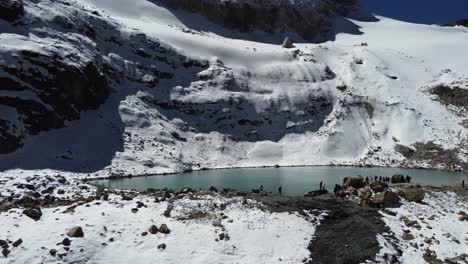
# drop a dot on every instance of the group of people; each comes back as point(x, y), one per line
point(280, 189)
point(367, 179)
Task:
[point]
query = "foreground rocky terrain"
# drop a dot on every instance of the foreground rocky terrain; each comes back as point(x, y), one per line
point(54, 220)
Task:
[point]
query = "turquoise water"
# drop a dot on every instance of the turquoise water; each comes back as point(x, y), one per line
point(294, 181)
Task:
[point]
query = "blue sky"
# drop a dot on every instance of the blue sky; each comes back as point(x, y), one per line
point(420, 11)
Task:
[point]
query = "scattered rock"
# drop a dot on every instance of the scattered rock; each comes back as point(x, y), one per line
point(134, 210)
point(3, 244)
point(17, 242)
point(164, 229)
point(153, 229)
point(463, 216)
point(34, 213)
point(162, 246)
point(127, 198)
point(53, 252)
point(66, 242)
point(408, 236)
point(75, 232)
point(144, 234)
point(217, 223)
point(389, 212)
point(411, 223)
point(5, 252)
point(212, 189)
point(169, 208)
point(287, 43)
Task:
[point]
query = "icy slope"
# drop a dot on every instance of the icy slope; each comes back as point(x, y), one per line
point(353, 100)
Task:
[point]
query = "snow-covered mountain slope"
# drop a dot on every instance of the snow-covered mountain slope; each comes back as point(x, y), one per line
point(185, 93)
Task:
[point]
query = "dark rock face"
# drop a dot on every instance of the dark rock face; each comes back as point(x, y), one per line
point(311, 21)
point(452, 95)
point(62, 92)
point(11, 10)
point(462, 22)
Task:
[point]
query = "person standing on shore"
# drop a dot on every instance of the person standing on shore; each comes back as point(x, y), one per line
point(280, 190)
point(463, 184)
point(321, 183)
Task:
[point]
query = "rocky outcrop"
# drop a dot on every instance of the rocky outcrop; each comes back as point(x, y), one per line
point(56, 92)
point(385, 199)
point(312, 19)
point(460, 22)
point(455, 96)
point(354, 181)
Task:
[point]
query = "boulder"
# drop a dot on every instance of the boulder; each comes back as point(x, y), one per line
point(398, 179)
point(162, 246)
point(169, 208)
point(412, 193)
point(17, 242)
point(66, 242)
point(75, 232)
point(34, 213)
point(463, 216)
point(408, 236)
point(287, 43)
point(212, 189)
point(378, 186)
point(354, 181)
point(5, 252)
point(164, 229)
point(385, 199)
point(153, 229)
point(3, 244)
